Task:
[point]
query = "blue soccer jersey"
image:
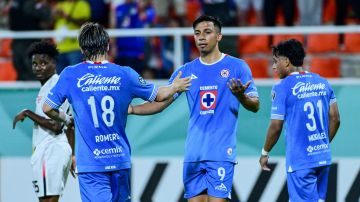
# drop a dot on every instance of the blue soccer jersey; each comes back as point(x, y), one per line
point(100, 94)
point(303, 101)
point(213, 108)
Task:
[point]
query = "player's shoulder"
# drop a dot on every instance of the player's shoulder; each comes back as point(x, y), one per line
point(188, 66)
point(278, 84)
point(233, 59)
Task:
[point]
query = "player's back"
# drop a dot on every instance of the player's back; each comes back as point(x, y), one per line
point(307, 102)
point(100, 94)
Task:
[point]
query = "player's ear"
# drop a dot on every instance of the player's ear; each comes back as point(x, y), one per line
point(82, 52)
point(288, 63)
point(108, 47)
point(219, 37)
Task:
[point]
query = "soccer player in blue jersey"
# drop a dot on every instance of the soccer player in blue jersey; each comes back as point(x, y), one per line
point(306, 103)
point(100, 93)
point(214, 99)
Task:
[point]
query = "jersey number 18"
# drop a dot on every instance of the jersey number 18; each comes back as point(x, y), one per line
point(107, 107)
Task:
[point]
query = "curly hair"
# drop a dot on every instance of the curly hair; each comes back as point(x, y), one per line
point(292, 49)
point(43, 47)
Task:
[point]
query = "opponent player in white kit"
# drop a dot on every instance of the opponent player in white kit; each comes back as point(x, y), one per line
point(51, 158)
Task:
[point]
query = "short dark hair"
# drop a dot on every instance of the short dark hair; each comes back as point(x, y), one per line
point(93, 40)
point(43, 47)
point(292, 49)
point(216, 21)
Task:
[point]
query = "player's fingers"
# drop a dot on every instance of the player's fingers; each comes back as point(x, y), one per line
point(238, 82)
point(266, 168)
point(233, 83)
point(247, 84)
point(14, 123)
point(179, 75)
point(72, 172)
point(229, 86)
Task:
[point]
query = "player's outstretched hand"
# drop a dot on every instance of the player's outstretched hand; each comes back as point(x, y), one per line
point(181, 84)
point(73, 166)
point(264, 162)
point(236, 87)
point(19, 117)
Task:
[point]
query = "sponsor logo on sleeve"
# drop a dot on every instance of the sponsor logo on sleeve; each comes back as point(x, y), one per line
point(273, 95)
point(142, 81)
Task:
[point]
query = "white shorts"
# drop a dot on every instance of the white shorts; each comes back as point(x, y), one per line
point(50, 165)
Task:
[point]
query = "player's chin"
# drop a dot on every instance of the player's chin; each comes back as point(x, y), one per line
point(39, 76)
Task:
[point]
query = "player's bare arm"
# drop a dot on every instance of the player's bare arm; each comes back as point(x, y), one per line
point(70, 134)
point(178, 85)
point(272, 137)
point(334, 120)
point(149, 108)
point(238, 89)
point(57, 115)
point(49, 124)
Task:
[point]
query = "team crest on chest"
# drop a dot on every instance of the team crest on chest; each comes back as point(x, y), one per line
point(225, 73)
point(208, 99)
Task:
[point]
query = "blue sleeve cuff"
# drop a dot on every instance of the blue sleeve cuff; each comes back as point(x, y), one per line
point(277, 116)
point(51, 104)
point(153, 94)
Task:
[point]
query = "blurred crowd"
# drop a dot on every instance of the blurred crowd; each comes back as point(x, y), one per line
point(153, 56)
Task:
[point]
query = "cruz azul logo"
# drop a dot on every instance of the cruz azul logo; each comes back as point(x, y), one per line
point(208, 95)
point(208, 99)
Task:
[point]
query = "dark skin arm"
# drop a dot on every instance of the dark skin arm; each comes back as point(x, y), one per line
point(70, 134)
point(334, 121)
point(273, 134)
point(238, 90)
point(49, 124)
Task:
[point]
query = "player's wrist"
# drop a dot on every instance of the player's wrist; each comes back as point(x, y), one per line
point(65, 118)
point(174, 88)
point(264, 152)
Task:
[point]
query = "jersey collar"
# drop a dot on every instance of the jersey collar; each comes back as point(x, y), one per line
point(295, 73)
point(222, 56)
point(97, 63)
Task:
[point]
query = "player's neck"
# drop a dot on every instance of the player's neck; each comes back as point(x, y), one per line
point(211, 57)
point(98, 58)
point(296, 69)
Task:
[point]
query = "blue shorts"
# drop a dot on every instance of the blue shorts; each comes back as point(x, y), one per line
point(308, 185)
point(212, 177)
point(111, 186)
